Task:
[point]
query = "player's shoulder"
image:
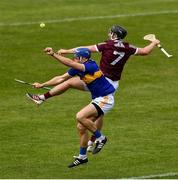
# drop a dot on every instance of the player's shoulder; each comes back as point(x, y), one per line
point(127, 44)
point(110, 41)
point(106, 43)
point(72, 71)
point(91, 64)
point(102, 43)
point(131, 46)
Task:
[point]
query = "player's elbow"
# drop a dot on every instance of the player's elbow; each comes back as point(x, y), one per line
point(145, 53)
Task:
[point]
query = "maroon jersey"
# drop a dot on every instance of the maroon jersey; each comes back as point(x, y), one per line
point(115, 54)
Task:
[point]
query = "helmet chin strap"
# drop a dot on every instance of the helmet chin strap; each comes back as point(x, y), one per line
point(80, 59)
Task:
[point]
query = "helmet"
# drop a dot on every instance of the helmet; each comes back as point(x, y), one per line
point(83, 52)
point(119, 31)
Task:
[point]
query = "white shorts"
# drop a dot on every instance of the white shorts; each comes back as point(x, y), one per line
point(106, 103)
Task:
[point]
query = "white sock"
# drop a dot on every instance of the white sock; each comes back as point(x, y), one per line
point(90, 143)
point(42, 97)
point(82, 156)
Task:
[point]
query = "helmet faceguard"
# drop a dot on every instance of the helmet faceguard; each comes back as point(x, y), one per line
point(119, 31)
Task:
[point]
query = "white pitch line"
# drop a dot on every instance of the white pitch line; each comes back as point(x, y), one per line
point(91, 18)
point(170, 174)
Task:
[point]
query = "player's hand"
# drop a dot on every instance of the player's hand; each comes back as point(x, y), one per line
point(37, 85)
point(61, 51)
point(156, 41)
point(49, 51)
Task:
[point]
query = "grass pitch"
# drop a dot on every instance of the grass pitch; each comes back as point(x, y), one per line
point(142, 128)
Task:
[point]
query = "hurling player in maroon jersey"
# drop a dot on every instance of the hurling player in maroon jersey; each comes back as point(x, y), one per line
point(114, 54)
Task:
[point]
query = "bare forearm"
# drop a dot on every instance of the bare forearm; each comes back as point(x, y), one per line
point(54, 81)
point(68, 62)
point(147, 49)
point(63, 60)
point(66, 51)
point(92, 48)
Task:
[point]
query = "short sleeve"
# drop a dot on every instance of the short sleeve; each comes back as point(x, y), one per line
point(101, 46)
point(132, 49)
point(91, 67)
point(72, 72)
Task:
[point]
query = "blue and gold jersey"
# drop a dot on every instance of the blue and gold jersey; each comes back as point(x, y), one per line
point(97, 84)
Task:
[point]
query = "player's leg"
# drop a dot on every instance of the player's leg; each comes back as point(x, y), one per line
point(91, 141)
point(74, 82)
point(99, 121)
point(82, 157)
point(84, 118)
point(83, 134)
point(105, 104)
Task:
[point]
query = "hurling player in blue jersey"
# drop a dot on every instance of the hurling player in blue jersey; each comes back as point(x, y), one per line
point(101, 93)
point(115, 52)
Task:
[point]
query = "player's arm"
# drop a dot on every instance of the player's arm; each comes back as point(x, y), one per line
point(147, 49)
point(66, 61)
point(92, 48)
point(52, 82)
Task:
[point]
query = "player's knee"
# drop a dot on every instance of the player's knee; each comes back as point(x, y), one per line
point(79, 117)
point(71, 82)
point(81, 128)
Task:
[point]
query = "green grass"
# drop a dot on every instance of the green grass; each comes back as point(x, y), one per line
point(142, 128)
